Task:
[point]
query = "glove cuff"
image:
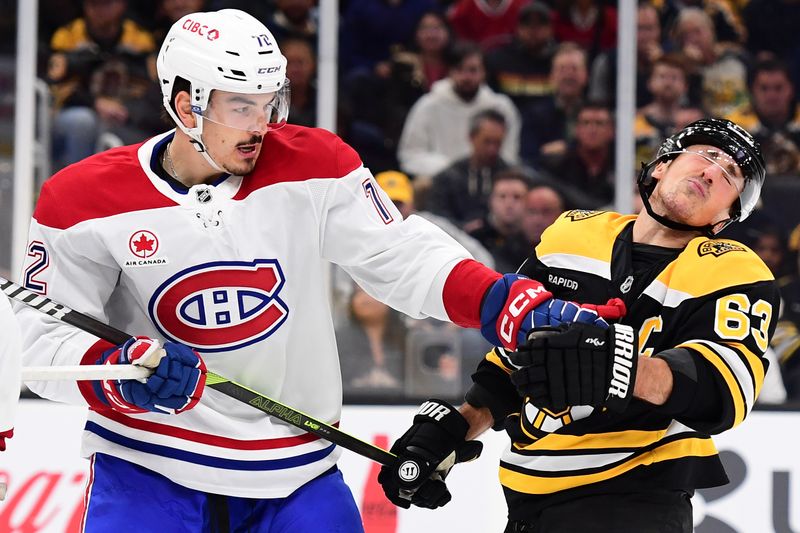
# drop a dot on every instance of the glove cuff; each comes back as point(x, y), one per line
point(623, 363)
point(445, 416)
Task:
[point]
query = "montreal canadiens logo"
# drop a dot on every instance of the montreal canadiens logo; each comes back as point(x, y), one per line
point(221, 306)
point(143, 244)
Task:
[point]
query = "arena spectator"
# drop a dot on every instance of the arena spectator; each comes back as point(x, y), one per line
point(719, 71)
point(301, 70)
point(461, 192)
point(293, 19)
point(724, 14)
point(772, 28)
point(101, 80)
point(603, 80)
point(521, 68)
point(436, 131)
point(547, 125)
point(656, 121)
point(501, 232)
point(585, 171)
point(490, 23)
point(370, 29)
point(590, 23)
point(169, 12)
point(543, 204)
point(772, 116)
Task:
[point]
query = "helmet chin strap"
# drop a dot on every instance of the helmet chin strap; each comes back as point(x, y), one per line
point(196, 137)
point(707, 230)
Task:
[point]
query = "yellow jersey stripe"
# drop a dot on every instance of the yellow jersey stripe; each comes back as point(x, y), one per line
point(532, 484)
point(755, 363)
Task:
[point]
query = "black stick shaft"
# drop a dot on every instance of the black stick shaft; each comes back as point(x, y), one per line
point(225, 386)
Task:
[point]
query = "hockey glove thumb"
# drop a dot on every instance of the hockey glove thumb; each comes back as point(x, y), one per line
point(578, 364)
point(176, 385)
point(425, 454)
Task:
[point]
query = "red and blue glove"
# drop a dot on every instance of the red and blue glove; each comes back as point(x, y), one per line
point(515, 305)
point(176, 385)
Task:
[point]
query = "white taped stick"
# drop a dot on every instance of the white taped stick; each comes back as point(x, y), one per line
point(84, 372)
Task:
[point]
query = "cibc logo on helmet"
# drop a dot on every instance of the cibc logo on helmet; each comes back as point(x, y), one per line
point(200, 29)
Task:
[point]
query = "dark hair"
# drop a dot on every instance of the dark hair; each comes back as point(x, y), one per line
point(491, 115)
point(675, 60)
point(180, 84)
point(512, 174)
point(595, 105)
point(768, 65)
point(535, 12)
point(457, 52)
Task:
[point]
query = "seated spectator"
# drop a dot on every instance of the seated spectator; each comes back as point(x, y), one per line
point(372, 345)
point(169, 12)
point(772, 31)
point(547, 125)
point(490, 23)
point(543, 204)
point(585, 171)
point(436, 131)
point(591, 24)
point(370, 29)
point(718, 73)
point(293, 19)
point(724, 14)
point(656, 121)
point(461, 192)
point(603, 80)
point(772, 116)
point(786, 340)
point(376, 105)
point(100, 76)
point(501, 231)
point(521, 68)
point(301, 71)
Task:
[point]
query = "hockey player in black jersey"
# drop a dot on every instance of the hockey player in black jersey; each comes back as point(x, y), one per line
point(611, 428)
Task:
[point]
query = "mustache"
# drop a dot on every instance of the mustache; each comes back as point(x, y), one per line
point(255, 139)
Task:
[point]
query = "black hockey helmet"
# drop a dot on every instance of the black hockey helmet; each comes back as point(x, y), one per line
point(722, 134)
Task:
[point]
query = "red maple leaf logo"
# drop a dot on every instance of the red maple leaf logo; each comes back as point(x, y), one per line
point(143, 244)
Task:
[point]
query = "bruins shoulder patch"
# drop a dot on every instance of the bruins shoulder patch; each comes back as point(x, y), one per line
point(581, 214)
point(717, 248)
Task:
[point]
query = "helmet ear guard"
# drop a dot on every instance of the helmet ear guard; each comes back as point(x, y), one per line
point(728, 137)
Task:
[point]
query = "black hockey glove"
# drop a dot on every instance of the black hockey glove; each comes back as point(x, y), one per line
point(425, 455)
point(578, 364)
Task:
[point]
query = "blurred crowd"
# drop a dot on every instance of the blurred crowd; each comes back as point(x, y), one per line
point(488, 117)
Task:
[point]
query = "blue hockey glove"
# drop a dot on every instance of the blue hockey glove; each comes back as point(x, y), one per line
point(176, 384)
point(515, 305)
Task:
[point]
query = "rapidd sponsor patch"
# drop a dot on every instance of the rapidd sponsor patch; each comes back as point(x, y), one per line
point(717, 248)
point(582, 214)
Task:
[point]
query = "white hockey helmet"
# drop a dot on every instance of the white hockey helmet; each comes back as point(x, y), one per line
point(226, 50)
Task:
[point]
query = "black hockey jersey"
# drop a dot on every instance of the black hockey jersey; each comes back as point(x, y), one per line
point(714, 299)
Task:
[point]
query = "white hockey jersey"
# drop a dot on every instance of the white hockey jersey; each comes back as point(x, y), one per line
point(237, 271)
point(9, 366)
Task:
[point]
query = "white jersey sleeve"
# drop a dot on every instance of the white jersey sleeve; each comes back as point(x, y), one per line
point(403, 263)
point(9, 366)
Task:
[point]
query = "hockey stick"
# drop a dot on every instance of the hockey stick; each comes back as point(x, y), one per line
point(84, 372)
point(230, 388)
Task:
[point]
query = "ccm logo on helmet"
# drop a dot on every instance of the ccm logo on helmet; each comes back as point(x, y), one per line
point(200, 29)
point(220, 306)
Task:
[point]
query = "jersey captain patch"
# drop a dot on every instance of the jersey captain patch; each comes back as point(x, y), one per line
point(221, 306)
point(581, 214)
point(717, 248)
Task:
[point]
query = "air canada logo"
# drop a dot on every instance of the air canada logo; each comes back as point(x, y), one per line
point(581, 214)
point(144, 245)
point(222, 305)
point(717, 248)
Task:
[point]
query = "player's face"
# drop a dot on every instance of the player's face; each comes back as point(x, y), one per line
point(698, 187)
point(234, 128)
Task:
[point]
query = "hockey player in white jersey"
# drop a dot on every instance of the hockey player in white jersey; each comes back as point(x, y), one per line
point(9, 371)
point(215, 238)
